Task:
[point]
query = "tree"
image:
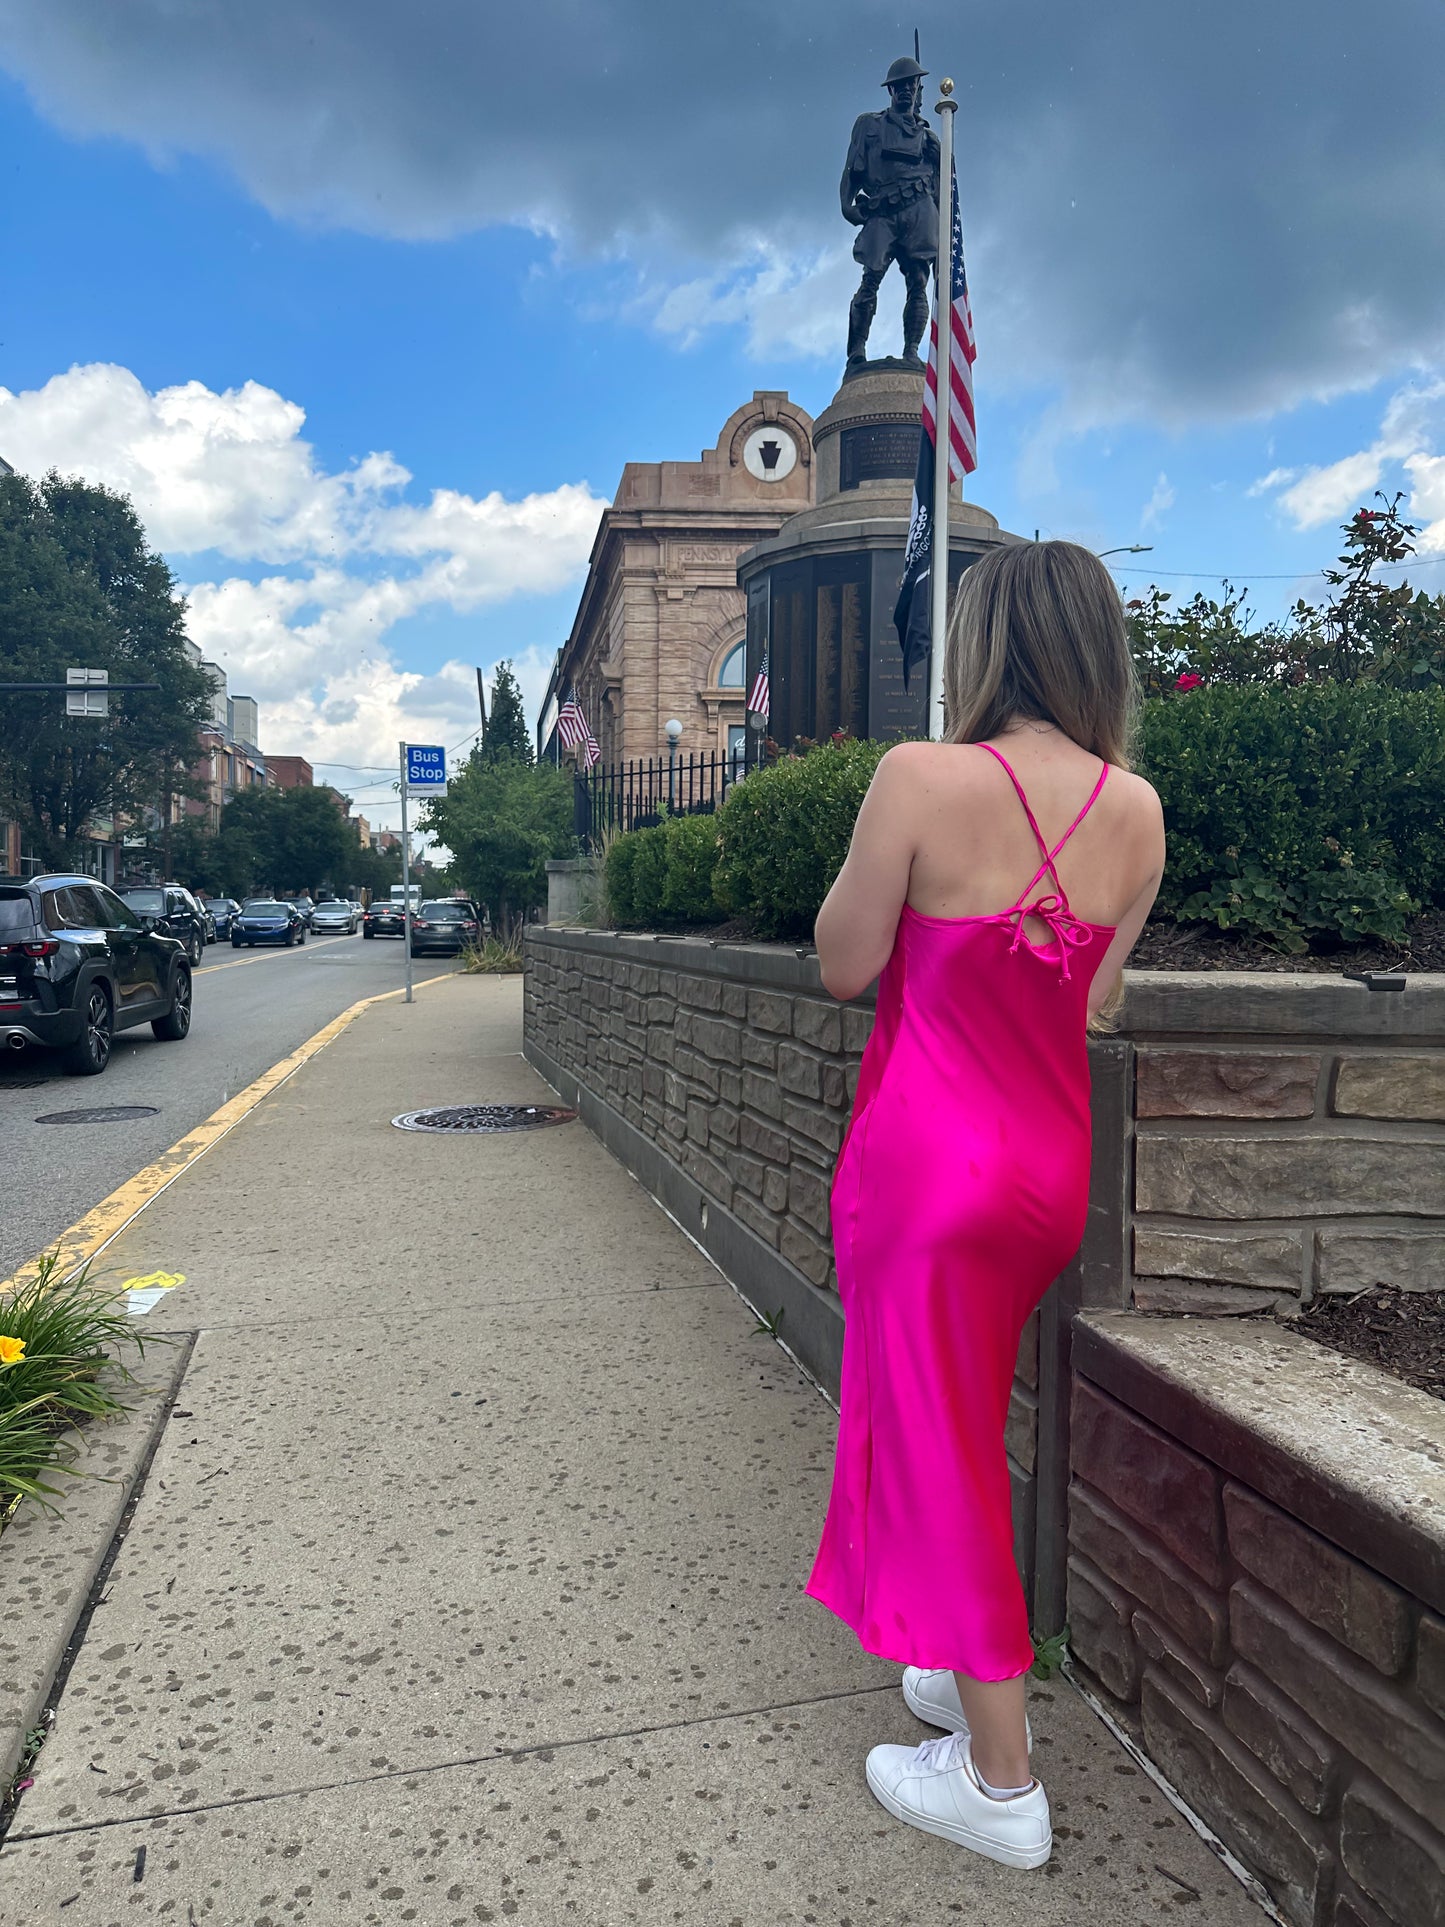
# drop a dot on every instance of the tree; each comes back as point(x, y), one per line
point(506, 735)
point(290, 840)
point(80, 586)
point(502, 818)
point(1367, 630)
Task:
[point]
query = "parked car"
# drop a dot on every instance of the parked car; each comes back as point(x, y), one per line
point(173, 911)
point(208, 922)
point(305, 905)
point(265, 920)
point(77, 964)
point(335, 914)
point(444, 924)
point(384, 919)
point(224, 911)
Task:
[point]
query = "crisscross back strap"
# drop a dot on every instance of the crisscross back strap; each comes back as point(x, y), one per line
point(1047, 866)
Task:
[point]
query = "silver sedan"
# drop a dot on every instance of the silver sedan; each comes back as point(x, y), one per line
point(336, 916)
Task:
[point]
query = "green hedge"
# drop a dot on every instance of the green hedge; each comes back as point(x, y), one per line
point(1292, 814)
point(664, 875)
point(784, 834)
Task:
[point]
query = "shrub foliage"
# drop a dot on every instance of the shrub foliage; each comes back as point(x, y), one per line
point(1301, 765)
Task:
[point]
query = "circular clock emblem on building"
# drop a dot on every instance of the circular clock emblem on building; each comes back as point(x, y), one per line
point(770, 453)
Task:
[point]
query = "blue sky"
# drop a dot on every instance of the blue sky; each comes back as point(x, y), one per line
point(369, 342)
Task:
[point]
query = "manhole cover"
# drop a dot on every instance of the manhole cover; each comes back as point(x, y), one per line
point(485, 1117)
point(101, 1114)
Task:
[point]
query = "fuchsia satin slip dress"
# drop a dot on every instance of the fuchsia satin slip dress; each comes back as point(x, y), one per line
point(960, 1194)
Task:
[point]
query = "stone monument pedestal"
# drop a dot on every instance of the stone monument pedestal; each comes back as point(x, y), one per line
point(821, 591)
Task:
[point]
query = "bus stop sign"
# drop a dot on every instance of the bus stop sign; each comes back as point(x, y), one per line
point(426, 769)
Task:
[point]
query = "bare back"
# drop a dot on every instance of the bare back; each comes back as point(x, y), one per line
point(974, 850)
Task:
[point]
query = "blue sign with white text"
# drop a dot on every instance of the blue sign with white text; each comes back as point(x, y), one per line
point(426, 768)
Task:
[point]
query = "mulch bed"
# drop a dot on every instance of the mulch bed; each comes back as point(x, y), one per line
point(1402, 1331)
point(1199, 946)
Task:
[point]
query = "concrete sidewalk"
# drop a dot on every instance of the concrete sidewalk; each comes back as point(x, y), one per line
point(466, 1583)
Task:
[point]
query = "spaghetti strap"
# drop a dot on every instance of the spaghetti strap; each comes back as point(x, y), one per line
point(1047, 866)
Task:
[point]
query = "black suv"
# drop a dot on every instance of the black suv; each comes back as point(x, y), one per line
point(77, 965)
point(175, 913)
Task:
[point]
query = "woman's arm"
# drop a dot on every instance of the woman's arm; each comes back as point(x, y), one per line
point(857, 924)
point(1126, 932)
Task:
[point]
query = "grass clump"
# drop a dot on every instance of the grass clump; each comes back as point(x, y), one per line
point(61, 1365)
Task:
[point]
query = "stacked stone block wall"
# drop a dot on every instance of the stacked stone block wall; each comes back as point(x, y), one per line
point(1289, 1690)
point(1288, 1140)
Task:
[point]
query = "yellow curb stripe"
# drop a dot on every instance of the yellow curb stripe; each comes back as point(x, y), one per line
point(105, 1221)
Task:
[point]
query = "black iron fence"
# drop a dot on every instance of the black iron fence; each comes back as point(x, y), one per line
point(634, 796)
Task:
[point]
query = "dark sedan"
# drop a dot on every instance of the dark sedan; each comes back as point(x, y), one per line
point(266, 921)
point(444, 925)
point(384, 919)
point(174, 912)
point(224, 911)
point(77, 965)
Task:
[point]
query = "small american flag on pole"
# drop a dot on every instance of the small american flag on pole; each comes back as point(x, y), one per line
point(572, 728)
point(759, 701)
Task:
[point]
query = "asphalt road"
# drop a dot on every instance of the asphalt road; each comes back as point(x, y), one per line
point(252, 1008)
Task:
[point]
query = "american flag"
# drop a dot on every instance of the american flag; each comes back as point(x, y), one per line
point(572, 728)
point(963, 436)
point(912, 615)
point(758, 697)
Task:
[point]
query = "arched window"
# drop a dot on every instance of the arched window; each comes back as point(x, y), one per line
point(730, 675)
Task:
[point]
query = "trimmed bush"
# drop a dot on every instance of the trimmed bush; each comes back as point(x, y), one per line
point(617, 874)
point(784, 833)
point(690, 845)
point(1295, 814)
point(664, 875)
point(1317, 809)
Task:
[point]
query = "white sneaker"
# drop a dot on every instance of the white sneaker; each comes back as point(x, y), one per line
point(932, 1696)
point(934, 1787)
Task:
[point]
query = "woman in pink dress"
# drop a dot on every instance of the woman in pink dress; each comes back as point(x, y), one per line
point(997, 880)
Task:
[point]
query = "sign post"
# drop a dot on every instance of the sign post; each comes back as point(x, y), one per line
point(423, 773)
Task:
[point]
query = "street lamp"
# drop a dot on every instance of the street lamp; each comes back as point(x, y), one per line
point(674, 730)
point(1131, 548)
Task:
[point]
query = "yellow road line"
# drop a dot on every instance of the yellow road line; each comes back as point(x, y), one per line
point(276, 950)
point(105, 1221)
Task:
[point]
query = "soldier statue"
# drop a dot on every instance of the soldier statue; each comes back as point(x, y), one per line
point(890, 192)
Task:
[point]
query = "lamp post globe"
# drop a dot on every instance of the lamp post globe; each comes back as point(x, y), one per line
point(674, 730)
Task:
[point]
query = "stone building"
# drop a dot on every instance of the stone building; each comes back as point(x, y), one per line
point(659, 630)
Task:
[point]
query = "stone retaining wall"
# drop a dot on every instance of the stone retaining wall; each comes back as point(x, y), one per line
point(1257, 1582)
point(1288, 1139)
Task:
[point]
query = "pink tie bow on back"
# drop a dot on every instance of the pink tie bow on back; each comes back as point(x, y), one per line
point(1063, 924)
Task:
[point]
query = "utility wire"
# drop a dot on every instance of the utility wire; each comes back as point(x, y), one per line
point(1248, 575)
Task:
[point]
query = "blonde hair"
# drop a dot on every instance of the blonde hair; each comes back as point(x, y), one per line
point(1038, 631)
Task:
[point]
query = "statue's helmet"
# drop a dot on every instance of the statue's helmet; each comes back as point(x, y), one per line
point(904, 69)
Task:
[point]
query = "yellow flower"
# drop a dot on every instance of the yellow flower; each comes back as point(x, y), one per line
point(11, 1349)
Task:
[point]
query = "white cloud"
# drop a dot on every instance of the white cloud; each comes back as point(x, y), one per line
point(1159, 503)
point(229, 474)
point(1267, 484)
point(1412, 422)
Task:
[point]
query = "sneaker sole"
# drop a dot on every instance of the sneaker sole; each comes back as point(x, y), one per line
point(961, 1836)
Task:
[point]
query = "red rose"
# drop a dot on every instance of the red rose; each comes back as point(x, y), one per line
point(1188, 680)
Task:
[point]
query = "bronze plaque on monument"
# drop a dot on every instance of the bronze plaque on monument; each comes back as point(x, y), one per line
point(878, 452)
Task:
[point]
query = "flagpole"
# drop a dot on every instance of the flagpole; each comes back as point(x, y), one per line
point(942, 411)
